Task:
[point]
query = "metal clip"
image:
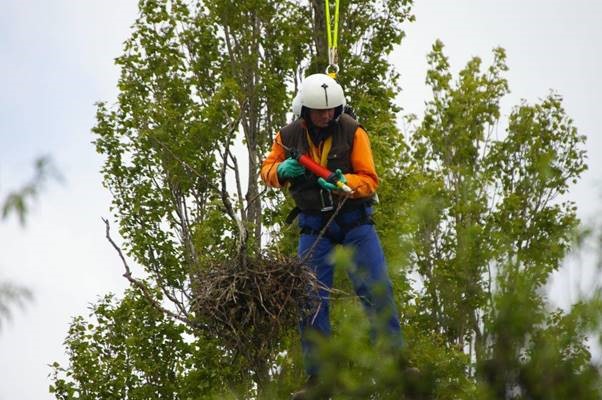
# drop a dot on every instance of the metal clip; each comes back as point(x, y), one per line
point(326, 200)
point(332, 70)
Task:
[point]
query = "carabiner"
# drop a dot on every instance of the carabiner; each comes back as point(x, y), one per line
point(334, 72)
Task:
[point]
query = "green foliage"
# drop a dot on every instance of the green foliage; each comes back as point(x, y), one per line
point(354, 366)
point(369, 30)
point(484, 227)
point(126, 349)
point(11, 295)
point(194, 75)
point(486, 213)
point(490, 229)
point(17, 202)
point(473, 223)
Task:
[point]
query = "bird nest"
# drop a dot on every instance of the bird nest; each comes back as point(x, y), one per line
point(249, 304)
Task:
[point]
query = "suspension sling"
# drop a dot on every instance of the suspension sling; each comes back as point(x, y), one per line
point(332, 36)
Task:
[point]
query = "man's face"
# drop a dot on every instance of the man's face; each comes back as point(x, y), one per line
point(321, 118)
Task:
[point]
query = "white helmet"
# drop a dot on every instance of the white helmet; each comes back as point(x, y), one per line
point(320, 92)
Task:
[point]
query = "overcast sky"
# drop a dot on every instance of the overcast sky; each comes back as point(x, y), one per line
point(56, 60)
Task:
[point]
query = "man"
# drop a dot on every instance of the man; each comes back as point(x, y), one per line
point(336, 141)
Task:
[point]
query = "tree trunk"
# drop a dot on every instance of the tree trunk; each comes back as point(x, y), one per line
point(319, 30)
point(252, 196)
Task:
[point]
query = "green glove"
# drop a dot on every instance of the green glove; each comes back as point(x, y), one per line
point(290, 168)
point(331, 186)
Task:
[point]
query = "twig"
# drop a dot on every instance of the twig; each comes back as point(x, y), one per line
point(324, 229)
point(141, 286)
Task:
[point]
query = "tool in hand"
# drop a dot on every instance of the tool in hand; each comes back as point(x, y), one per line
point(316, 168)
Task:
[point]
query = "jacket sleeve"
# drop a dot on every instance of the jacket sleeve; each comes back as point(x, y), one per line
point(363, 180)
point(269, 168)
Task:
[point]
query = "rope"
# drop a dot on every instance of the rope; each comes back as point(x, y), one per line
point(324, 229)
point(332, 36)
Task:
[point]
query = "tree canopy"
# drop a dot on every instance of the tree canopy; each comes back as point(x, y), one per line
point(471, 214)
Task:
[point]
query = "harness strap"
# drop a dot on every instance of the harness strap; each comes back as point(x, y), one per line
point(319, 153)
point(292, 215)
point(364, 219)
point(309, 231)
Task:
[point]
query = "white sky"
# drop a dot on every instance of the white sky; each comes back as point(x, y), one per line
point(57, 60)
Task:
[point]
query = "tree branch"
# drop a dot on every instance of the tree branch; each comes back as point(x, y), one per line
point(140, 285)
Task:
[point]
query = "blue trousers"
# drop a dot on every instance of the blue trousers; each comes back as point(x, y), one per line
point(368, 275)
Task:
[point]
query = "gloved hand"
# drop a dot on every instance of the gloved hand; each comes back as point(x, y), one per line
point(290, 168)
point(331, 186)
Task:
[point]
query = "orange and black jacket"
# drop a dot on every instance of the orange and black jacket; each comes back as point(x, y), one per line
point(350, 152)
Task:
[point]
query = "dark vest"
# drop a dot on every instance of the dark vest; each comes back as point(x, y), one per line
point(305, 189)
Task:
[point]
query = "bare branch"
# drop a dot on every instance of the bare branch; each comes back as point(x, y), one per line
point(241, 206)
point(146, 292)
point(224, 193)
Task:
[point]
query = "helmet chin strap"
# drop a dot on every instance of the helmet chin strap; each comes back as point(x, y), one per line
point(338, 111)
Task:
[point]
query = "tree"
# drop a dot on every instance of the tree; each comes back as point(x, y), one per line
point(127, 349)
point(11, 295)
point(17, 202)
point(491, 228)
point(484, 223)
point(198, 78)
point(475, 217)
